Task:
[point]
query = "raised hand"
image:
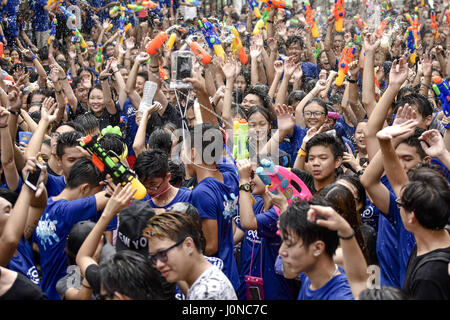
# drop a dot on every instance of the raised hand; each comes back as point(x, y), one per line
point(230, 67)
point(330, 219)
point(371, 42)
point(244, 167)
point(404, 114)
point(120, 199)
point(432, 143)
point(4, 116)
point(255, 51)
point(278, 66)
point(403, 130)
point(399, 72)
point(290, 66)
point(427, 65)
point(285, 118)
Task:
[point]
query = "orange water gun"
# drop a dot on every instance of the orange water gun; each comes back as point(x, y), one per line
point(434, 24)
point(156, 43)
point(237, 46)
point(348, 53)
point(339, 14)
point(383, 26)
point(310, 19)
point(276, 4)
point(199, 51)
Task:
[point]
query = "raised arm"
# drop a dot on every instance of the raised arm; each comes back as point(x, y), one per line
point(371, 44)
point(355, 265)
point(278, 67)
point(231, 70)
point(139, 140)
point(289, 68)
point(7, 154)
point(327, 44)
point(319, 87)
point(433, 145)
point(247, 216)
point(103, 77)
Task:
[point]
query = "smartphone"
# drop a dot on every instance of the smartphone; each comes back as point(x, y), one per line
point(182, 64)
point(254, 288)
point(32, 178)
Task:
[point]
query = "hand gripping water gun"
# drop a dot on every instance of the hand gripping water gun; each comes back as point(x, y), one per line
point(441, 88)
point(99, 58)
point(173, 35)
point(383, 26)
point(157, 42)
point(211, 37)
point(339, 13)
point(52, 30)
point(258, 26)
point(120, 174)
point(310, 19)
point(254, 5)
point(276, 4)
point(289, 183)
point(198, 50)
point(411, 44)
point(237, 46)
point(347, 56)
point(77, 33)
point(240, 137)
point(434, 24)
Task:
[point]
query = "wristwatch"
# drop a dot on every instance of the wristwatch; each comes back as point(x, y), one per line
point(245, 187)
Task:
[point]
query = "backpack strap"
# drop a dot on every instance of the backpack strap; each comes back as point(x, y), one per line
point(437, 256)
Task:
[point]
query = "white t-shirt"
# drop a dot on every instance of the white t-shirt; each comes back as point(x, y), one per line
point(211, 285)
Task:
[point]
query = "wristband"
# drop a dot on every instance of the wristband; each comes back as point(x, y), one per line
point(63, 78)
point(301, 153)
point(347, 238)
point(351, 81)
point(33, 57)
point(13, 112)
point(1, 36)
point(3, 127)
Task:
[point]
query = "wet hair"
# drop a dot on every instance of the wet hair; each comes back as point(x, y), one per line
point(258, 109)
point(177, 173)
point(318, 101)
point(262, 92)
point(67, 140)
point(9, 195)
point(97, 86)
point(327, 140)
point(160, 139)
point(152, 163)
point(75, 126)
point(84, 171)
point(427, 194)
point(356, 182)
point(88, 122)
point(413, 141)
point(295, 97)
point(130, 273)
point(113, 142)
point(294, 221)
point(294, 39)
point(424, 106)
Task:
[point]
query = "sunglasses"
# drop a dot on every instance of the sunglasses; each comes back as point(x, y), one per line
point(162, 255)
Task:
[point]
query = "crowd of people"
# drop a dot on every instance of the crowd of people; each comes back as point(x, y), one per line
point(353, 102)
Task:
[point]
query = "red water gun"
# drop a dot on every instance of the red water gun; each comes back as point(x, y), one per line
point(383, 26)
point(348, 53)
point(361, 24)
point(276, 4)
point(310, 19)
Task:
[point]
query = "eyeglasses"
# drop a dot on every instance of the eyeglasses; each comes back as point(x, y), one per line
point(162, 254)
point(399, 203)
point(316, 114)
point(154, 188)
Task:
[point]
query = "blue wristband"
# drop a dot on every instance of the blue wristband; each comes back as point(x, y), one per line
point(33, 57)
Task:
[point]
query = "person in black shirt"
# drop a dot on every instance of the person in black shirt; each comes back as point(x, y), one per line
point(102, 106)
point(425, 211)
point(15, 286)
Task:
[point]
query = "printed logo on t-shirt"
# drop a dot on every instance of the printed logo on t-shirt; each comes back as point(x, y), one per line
point(33, 275)
point(230, 206)
point(46, 231)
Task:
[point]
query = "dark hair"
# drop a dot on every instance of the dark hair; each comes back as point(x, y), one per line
point(160, 139)
point(75, 82)
point(318, 101)
point(414, 141)
point(327, 140)
point(263, 111)
point(295, 97)
point(9, 195)
point(424, 107)
point(427, 194)
point(143, 75)
point(306, 177)
point(84, 171)
point(152, 163)
point(36, 116)
point(294, 220)
point(76, 237)
point(130, 273)
point(211, 140)
point(113, 142)
point(88, 122)
point(75, 126)
point(97, 86)
point(260, 91)
point(294, 39)
point(43, 53)
point(47, 142)
point(383, 293)
point(177, 173)
point(67, 140)
point(342, 200)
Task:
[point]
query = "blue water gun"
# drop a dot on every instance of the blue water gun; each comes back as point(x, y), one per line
point(441, 88)
point(52, 30)
point(211, 37)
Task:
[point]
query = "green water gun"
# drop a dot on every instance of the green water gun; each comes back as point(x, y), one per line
point(240, 137)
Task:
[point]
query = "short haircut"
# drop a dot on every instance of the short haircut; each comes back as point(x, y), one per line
point(318, 101)
point(84, 171)
point(414, 141)
point(67, 140)
point(74, 125)
point(174, 226)
point(130, 273)
point(262, 92)
point(160, 139)
point(295, 97)
point(9, 195)
point(424, 107)
point(177, 173)
point(152, 163)
point(143, 75)
point(294, 220)
point(97, 86)
point(294, 39)
point(88, 121)
point(427, 194)
point(327, 140)
point(113, 142)
point(211, 141)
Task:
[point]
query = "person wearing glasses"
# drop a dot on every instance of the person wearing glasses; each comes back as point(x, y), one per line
point(175, 250)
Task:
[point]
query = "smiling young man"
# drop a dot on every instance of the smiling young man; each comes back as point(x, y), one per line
point(324, 154)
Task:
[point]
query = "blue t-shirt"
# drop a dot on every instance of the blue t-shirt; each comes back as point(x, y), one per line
point(11, 9)
point(183, 195)
point(394, 243)
point(24, 262)
point(335, 289)
point(55, 185)
point(370, 216)
point(19, 187)
point(343, 129)
point(129, 111)
point(40, 18)
point(50, 235)
point(275, 287)
point(291, 144)
point(89, 22)
point(219, 201)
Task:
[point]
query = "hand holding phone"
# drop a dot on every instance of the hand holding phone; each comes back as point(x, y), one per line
point(34, 173)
